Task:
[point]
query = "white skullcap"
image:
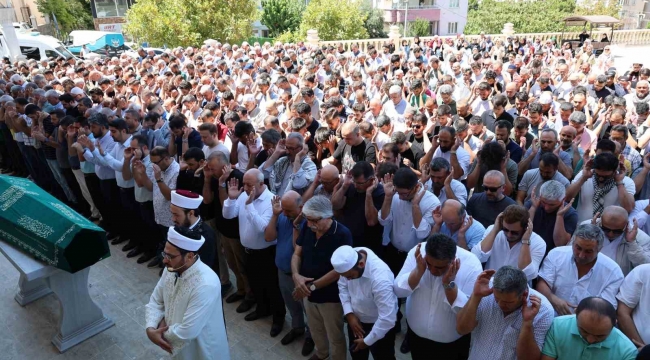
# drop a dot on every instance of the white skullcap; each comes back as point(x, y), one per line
point(545, 98)
point(186, 199)
point(248, 98)
point(183, 242)
point(76, 91)
point(395, 89)
point(344, 259)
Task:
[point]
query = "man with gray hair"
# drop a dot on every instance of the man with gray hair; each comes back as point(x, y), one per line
point(52, 103)
point(572, 273)
point(395, 108)
point(508, 321)
point(624, 243)
point(578, 120)
point(295, 171)
point(553, 219)
point(315, 278)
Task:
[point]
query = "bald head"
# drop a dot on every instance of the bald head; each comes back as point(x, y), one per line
point(453, 212)
point(568, 130)
point(329, 177)
point(615, 218)
point(254, 178)
point(291, 203)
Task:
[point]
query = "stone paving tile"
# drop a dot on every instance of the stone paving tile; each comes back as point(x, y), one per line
point(122, 288)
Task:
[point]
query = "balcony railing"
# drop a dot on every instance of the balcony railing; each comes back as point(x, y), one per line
point(398, 6)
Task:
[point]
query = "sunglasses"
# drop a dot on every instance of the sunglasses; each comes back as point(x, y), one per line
point(508, 231)
point(416, 126)
point(613, 231)
point(491, 189)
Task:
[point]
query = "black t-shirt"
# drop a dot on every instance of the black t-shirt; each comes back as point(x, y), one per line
point(414, 154)
point(485, 211)
point(348, 155)
point(544, 224)
point(207, 251)
point(312, 131)
point(418, 143)
point(317, 255)
point(228, 227)
point(49, 129)
point(353, 216)
point(193, 140)
point(187, 181)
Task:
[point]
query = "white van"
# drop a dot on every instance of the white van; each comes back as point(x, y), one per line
point(36, 46)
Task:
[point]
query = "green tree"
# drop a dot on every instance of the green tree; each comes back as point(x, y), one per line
point(599, 7)
point(334, 20)
point(190, 22)
point(527, 16)
point(281, 15)
point(70, 14)
point(374, 23)
point(419, 27)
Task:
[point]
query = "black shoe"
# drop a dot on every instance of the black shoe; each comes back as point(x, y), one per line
point(111, 237)
point(135, 252)
point(118, 240)
point(154, 263)
point(307, 346)
point(405, 348)
point(276, 329)
point(130, 246)
point(291, 336)
point(255, 315)
point(146, 257)
point(245, 306)
point(225, 288)
point(234, 298)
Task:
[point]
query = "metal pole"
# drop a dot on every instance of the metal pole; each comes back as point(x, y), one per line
point(406, 14)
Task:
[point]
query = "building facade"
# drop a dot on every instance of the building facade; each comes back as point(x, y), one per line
point(446, 17)
point(635, 14)
point(110, 15)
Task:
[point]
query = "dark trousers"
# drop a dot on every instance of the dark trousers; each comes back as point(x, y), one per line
point(82, 206)
point(15, 158)
point(395, 259)
point(382, 349)
point(423, 349)
point(263, 278)
point(149, 243)
point(111, 195)
point(161, 237)
point(95, 190)
point(128, 216)
point(51, 185)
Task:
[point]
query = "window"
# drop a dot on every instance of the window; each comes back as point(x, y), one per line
point(452, 28)
point(110, 8)
point(30, 52)
point(433, 27)
point(454, 3)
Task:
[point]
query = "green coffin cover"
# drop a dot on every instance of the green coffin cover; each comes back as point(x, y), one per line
point(44, 227)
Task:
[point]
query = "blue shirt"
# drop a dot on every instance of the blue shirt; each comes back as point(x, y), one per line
point(103, 172)
point(563, 341)
point(284, 247)
point(472, 236)
point(515, 151)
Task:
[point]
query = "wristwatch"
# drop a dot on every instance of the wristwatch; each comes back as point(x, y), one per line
point(525, 241)
point(312, 286)
point(159, 180)
point(450, 286)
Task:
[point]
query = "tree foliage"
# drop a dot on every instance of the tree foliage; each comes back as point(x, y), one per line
point(190, 22)
point(599, 7)
point(527, 16)
point(419, 27)
point(334, 20)
point(374, 23)
point(281, 15)
point(70, 14)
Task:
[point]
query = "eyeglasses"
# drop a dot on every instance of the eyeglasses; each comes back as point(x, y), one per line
point(169, 256)
point(508, 231)
point(416, 126)
point(613, 231)
point(491, 189)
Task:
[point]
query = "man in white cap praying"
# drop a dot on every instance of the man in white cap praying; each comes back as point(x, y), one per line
point(185, 212)
point(369, 302)
point(184, 315)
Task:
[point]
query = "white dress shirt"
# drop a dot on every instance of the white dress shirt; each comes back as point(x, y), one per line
point(371, 297)
point(242, 154)
point(461, 154)
point(502, 254)
point(253, 218)
point(479, 106)
point(635, 293)
point(561, 274)
point(428, 312)
point(457, 187)
point(404, 235)
point(114, 159)
point(640, 215)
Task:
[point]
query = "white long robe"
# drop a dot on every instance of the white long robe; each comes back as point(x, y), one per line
point(191, 307)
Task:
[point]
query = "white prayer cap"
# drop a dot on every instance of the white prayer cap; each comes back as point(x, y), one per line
point(395, 89)
point(545, 98)
point(183, 242)
point(76, 91)
point(186, 199)
point(344, 259)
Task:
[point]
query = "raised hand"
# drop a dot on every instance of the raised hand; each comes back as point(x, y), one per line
point(534, 197)
point(419, 194)
point(128, 153)
point(587, 170)
point(233, 189)
point(458, 143)
point(565, 208)
point(466, 225)
point(529, 230)
point(372, 187)
point(251, 196)
point(498, 222)
point(620, 174)
point(646, 161)
point(535, 146)
point(630, 234)
point(594, 220)
point(347, 181)
point(225, 173)
point(424, 171)
point(449, 177)
point(528, 313)
point(156, 171)
point(522, 142)
point(419, 260)
point(452, 270)
point(280, 148)
point(253, 149)
point(482, 285)
point(277, 205)
point(187, 131)
point(231, 135)
point(389, 188)
point(437, 215)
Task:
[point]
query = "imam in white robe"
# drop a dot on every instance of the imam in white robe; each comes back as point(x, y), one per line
point(191, 307)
